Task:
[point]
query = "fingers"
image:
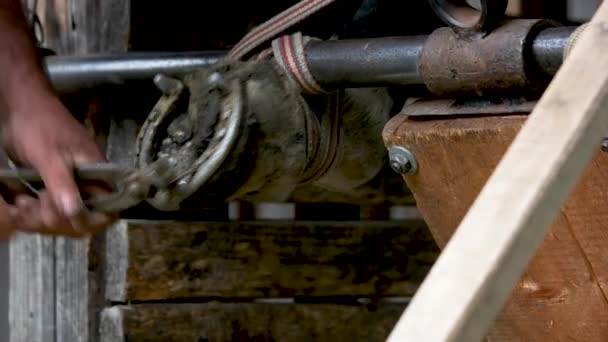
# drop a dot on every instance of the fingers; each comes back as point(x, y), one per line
point(41, 216)
point(46, 137)
point(60, 209)
point(58, 176)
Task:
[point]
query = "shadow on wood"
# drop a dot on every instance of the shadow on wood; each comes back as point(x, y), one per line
point(168, 260)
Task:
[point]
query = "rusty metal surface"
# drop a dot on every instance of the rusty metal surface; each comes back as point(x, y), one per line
point(467, 107)
point(194, 140)
point(453, 64)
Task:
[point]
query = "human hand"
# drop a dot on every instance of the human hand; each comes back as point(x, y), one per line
point(41, 133)
point(37, 131)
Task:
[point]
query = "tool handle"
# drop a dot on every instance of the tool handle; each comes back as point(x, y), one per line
point(104, 172)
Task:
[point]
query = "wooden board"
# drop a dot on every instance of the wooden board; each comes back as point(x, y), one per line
point(31, 290)
point(52, 292)
point(562, 295)
point(219, 322)
point(85, 26)
point(169, 260)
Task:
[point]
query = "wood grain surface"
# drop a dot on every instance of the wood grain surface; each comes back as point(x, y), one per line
point(169, 260)
point(220, 322)
point(562, 295)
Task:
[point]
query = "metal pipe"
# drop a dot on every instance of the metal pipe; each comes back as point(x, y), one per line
point(72, 73)
point(344, 63)
point(548, 49)
point(368, 62)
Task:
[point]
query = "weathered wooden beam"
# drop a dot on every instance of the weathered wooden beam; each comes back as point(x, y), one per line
point(32, 289)
point(563, 291)
point(220, 322)
point(50, 284)
point(487, 254)
point(169, 260)
point(72, 286)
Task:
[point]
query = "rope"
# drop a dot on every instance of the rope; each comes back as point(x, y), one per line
point(289, 53)
point(276, 25)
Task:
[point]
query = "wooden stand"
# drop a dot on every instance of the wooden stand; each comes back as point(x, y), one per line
point(562, 295)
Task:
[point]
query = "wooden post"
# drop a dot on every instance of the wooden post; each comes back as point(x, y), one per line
point(49, 277)
point(485, 257)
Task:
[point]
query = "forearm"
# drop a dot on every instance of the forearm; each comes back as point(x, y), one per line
point(20, 70)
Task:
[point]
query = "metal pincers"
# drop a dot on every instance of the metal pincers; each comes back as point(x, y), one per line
point(130, 186)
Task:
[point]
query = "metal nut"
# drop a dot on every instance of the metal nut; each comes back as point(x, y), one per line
point(402, 160)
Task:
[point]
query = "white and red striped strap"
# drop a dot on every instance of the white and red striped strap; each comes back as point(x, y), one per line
point(277, 25)
point(289, 53)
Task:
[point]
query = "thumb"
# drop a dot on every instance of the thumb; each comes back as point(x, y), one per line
point(58, 177)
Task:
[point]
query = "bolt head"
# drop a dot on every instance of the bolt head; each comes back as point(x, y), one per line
point(402, 160)
point(605, 145)
point(400, 164)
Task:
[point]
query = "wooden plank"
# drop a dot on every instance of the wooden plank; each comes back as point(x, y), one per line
point(51, 293)
point(554, 301)
point(32, 290)
point(100, 26)
point(487, 254)
point(81, 27)
point(169, 260)
point(92, 26)
point(72, 301)
point(4, 291)
point(115, 259)
point(248, 322)
point(111, 328)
